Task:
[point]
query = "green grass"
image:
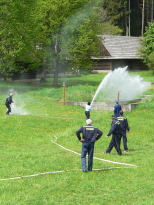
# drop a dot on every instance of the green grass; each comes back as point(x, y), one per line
point(27, 149)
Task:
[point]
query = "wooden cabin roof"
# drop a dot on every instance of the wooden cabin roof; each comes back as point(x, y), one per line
point(120, 47)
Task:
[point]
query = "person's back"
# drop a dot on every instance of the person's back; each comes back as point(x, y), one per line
point(88, 108)
point(124, 126)
point(123, 122)
point(115, 130)
point(115, 127)
point(117, 108)
point(89, 133)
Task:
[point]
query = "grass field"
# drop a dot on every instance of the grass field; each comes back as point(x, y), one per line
point(40, 154)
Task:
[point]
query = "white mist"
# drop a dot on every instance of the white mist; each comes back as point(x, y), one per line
point(18, 107)
point(119, 80)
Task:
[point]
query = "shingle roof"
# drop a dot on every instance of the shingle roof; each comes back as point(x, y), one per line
point(121, 47)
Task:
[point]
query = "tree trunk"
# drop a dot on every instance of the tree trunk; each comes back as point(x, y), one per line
point(5, 79)
point(43, 74)
point(56, 71)
point(55, 79)
point(142, 31)
point(152, 11)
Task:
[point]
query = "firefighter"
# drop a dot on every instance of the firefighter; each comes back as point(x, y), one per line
point(125, 127)
point(8, 103)
point(90, 135)
point(117, 108)
point(115, 130)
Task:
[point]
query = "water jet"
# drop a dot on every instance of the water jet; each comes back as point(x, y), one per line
point(128, 87)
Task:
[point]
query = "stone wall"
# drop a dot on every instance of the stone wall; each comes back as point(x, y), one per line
point(106, 105)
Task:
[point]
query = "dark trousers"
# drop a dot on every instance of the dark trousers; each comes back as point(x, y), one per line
point(115, 142)
point(8, 109)
point(87, 147)
point(124, 140)
point(87, 113)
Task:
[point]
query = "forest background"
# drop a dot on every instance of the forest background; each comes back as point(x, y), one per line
point(56, 36)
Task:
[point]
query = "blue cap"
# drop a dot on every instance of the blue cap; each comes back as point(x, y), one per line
point(116, 101)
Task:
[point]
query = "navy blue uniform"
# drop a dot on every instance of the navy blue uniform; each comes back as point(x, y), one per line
point(124, 128)
point(117, 109)
point(90, 134)
point(116, 137)
point(8, 104)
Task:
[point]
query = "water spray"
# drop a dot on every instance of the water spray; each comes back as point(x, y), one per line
point(128, 86)
point(17, 108)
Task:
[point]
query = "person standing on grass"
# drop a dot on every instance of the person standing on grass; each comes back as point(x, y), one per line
point(125, 127)
point(115, 130)
point(117, 108)
point(8, 103)
point(88, 108)
point(90, 135)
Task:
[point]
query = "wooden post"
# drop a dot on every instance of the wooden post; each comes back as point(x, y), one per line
point(118, 95)
point(64, 93)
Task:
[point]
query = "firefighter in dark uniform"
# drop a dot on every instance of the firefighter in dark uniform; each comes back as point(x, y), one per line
point(115, 130)
point(8, 103)
point(117, 108)
point(125, 127)
point(90, 134)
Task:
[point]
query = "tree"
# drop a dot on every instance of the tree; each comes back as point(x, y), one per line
point(129, 15)
point(114, 13)
point(147, 50)
point(35, 32)
point(56, 34)
point(150, 61)
point(19, 37)
point(141, 12)
point(106, 23)
point(70, 31)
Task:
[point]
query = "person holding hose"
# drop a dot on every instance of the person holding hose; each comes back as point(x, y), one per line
point(8, 103)
point(88, 108)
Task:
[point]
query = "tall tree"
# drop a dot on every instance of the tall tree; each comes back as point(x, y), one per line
point(147, 50)
point(115, 12)
point(141, 13)
point(70, 31)
point(19, 36)
point(35, 32)
point(129, 15)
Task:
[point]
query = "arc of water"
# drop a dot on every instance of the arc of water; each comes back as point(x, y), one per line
point(130, 86)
